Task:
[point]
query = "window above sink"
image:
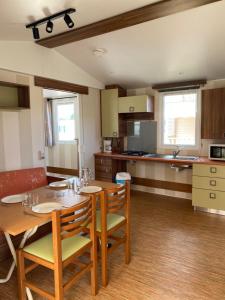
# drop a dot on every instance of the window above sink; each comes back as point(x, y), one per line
point(180, 119)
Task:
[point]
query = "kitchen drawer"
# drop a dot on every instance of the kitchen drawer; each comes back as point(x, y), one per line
point(100, 174)
point(209, 170)
point(208, 183)
point(103, 168)
point(103, 162)
point(208, 199)
point(99, 177)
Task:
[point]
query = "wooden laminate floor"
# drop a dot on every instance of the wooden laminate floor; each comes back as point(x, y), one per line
point(176, 254)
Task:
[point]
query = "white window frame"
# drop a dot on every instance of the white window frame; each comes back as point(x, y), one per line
point(55, 121)
point(198, 121)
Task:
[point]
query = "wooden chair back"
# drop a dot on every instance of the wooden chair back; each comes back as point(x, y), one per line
point(116, 198)
point(73, 221)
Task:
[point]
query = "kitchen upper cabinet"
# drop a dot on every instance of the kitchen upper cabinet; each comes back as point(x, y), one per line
point(136, 104)
point(109, 111)
point(213, 114)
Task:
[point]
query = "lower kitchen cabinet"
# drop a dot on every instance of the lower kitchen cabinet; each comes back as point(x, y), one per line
point(106, 168)
point(208, 186)
point(208, 199)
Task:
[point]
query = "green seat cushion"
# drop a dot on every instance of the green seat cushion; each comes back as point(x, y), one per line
point(43, 247)
point(112, 220)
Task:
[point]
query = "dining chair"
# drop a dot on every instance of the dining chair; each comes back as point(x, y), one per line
point(114, 215)
point(62, 247)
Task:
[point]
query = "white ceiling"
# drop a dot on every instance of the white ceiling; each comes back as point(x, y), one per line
point(188, 45)
point(16, 13)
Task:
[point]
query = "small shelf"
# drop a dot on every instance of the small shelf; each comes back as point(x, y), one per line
point(14, 97)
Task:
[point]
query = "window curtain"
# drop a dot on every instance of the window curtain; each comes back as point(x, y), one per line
point(49, 137)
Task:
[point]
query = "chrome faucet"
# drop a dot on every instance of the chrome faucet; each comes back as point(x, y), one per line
point(176, 152)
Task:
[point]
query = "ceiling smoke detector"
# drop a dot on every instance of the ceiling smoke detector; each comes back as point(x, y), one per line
point(99, 52)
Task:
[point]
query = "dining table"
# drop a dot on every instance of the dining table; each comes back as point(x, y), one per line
point(16, 219)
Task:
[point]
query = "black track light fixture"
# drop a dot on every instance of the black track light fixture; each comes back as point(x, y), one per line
point(69, 21)
point(36, 34)
point(49, 27)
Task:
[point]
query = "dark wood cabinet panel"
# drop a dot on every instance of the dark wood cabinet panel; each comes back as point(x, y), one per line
point(106, 168)
point(213, 114)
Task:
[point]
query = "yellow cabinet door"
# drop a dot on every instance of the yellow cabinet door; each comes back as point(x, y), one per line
point(132, 104)
point(109, 111)
point(209, 170)
point(208, 183)
point(208, 199)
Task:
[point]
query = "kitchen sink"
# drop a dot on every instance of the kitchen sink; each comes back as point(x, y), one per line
point(170, 156)
point(187, 157)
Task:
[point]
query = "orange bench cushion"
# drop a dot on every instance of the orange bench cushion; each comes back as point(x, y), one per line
point(20, 181)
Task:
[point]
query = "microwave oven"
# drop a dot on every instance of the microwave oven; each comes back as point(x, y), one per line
point(217, 152)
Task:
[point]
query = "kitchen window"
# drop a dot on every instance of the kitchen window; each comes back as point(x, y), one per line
point(64, 121)
point(180, 120)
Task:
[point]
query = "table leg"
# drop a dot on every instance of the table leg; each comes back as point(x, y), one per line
point(12, 267)
point(26, 236)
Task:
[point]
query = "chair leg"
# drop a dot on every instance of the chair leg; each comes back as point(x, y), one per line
point(127, 244)
point(94, 280)
point(58, 284)
point(21, 275)
point(104, 258)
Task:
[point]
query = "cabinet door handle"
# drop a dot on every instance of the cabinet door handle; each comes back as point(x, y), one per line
point(213, 170)
point(131, 109)
point(212, 196)
point(212, 182)
point(114, 133)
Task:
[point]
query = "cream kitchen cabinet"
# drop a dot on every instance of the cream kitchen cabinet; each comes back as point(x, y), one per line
point(109, 112)
point(208, 186)
point(135, 104)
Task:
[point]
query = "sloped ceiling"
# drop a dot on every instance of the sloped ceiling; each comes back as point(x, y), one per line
point(184, 46)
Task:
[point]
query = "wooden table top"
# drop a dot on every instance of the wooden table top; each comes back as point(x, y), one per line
point(15, 219)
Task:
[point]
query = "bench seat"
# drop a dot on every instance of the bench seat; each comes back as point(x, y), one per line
point(17, 182)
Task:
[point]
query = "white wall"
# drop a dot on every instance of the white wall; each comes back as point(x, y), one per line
point(90, 127)
point(29, 58)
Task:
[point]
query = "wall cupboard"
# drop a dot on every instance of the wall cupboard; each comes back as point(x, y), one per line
point(109, 112)
point(116, 110)
point(213, 114)
point(135, 104)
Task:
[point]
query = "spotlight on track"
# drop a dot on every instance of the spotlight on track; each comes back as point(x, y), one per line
point(49, 26)
point(69, 21)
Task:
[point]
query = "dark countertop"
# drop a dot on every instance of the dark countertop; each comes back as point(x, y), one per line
point(201, 160)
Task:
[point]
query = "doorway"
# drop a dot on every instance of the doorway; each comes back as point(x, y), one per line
point(62, 131)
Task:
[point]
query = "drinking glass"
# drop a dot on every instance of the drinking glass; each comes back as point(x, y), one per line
point(86, 175)
point(78, 184)
point(30, 200)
